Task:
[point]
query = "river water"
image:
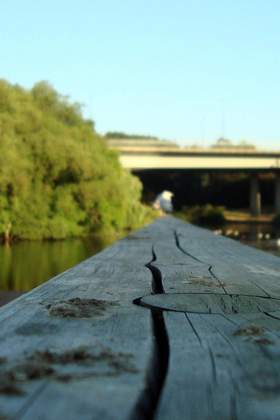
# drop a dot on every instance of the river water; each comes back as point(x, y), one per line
point(25, 265)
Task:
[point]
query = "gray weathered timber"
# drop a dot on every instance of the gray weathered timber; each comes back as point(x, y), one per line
point(224, 364)
point(119, 337)
point(172, 322)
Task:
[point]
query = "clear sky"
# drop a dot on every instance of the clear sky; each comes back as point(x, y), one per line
point(191, 70)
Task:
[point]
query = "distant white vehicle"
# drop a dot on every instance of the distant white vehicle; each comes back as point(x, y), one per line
point(164, 201)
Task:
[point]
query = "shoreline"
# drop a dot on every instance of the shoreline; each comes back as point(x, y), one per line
point(236, 216)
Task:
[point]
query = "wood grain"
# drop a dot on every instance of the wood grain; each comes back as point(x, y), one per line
point(205, 346)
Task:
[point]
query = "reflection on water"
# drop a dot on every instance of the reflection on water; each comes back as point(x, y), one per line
point(25, 265)
point(263, 236)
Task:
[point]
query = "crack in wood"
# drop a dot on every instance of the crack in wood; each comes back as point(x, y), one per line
point(210, 266)
point(271, 316)
point(147, 404)
point(260, 377)
point(210, 303)
point(193, 328)
point(157, 285)
point(178, 245)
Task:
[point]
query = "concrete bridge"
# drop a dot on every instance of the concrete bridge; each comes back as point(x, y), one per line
point(160, 155)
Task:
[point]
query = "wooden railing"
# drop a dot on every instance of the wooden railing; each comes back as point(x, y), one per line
point(171, 322)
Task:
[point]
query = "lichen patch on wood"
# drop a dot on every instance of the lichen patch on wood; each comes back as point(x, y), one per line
point(204, 281)
point(79, 308)
point(8, 387)
point(250, 330)
point(264, 341)
point(70, 356)
point(120, 362)
point(49, 364)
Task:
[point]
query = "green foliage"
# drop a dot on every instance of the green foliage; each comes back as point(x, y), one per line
point(204, 215)
point(57, 177)
point(121, 135)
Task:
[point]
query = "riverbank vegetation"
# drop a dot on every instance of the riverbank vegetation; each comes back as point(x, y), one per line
point(57, 177)
point(203, 215)
point(125, 136)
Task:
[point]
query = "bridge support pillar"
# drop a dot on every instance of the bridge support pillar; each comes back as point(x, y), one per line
point(255, 196)
point(277, 193)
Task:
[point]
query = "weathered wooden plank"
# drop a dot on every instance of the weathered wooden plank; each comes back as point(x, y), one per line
point(192, 378)
point(64, 352)
point(172, 262)
point(242, 268)
point(219, 369)
point(222, 344)
point(222, 364)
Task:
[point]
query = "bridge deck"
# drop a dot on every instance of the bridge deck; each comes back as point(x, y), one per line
point(200, 341)
point(196, 161)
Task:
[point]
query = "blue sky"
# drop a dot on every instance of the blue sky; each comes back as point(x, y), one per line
point(189, 70)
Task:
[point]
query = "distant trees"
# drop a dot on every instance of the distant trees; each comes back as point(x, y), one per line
point(223, 143)
point(57, 177)
point(121, 135)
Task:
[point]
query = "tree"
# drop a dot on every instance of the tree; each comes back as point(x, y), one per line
point(57, 176)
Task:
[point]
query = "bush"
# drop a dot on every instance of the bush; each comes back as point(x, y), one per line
point(57, 176)
point(204, 215)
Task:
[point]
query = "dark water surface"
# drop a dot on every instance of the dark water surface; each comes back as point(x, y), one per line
point(25, 265)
